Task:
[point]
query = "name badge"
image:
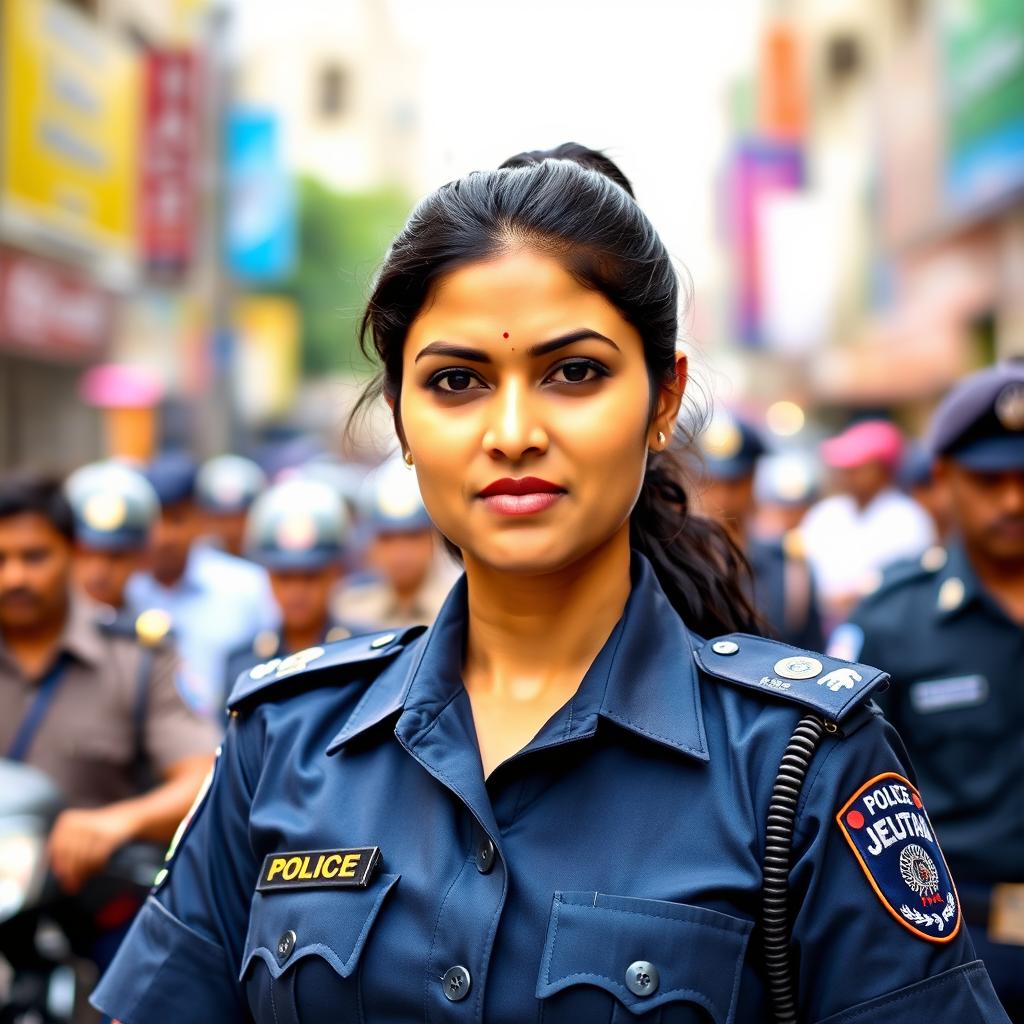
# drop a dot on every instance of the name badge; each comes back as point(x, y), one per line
point(942, 694)
point(318, 869)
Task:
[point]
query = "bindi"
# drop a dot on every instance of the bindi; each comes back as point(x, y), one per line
point(505, 335)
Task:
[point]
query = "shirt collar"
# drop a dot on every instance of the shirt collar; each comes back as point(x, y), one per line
point(643, 679)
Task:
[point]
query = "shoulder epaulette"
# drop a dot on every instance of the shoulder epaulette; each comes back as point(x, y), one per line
point(356, 650)
point(827, 685)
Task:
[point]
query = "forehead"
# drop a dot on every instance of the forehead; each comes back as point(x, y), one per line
point(29, 529)
point(522, 292)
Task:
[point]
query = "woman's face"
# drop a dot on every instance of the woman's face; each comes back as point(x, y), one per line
point(526, 406)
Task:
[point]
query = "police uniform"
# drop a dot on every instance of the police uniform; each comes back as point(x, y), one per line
point(956, 698)
point(350, 861)
point(114, 708)
point(784, 594)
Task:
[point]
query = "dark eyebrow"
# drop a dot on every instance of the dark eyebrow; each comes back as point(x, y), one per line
point(475, 355)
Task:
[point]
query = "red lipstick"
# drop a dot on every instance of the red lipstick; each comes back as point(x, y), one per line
point(520, 497)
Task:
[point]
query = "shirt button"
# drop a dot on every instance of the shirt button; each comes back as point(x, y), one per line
point(642, 978)
point(485, 857)
point(456, 982)
point(285, 945)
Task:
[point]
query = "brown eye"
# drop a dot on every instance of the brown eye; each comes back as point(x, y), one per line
point(577, 371)
point(455, 381)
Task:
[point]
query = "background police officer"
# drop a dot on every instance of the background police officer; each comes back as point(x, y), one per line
point(784, 593)
point(950, 629)
point(115, 508)
point(411, 576)
point(226, 487)
point(298, 530)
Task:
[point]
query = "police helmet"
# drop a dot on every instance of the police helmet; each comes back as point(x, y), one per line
point(391, 501)
point(731, 447)
point(297, 524)
point(229, 483)
point(114, 505)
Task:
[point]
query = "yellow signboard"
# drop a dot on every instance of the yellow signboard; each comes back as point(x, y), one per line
point(266, 371)
point(70, 97)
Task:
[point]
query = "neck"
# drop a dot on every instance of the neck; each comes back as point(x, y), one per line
point(299, 639)
point(526, 633)
point(1003, 578)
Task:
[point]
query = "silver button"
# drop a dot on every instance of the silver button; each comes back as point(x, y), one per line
point(456, 982)
point(642, 978)
point(381, 641)
point(485, 857)
point(285, 945)
point(725, 647)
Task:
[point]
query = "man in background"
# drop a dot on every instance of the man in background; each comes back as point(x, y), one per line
point(867, 524)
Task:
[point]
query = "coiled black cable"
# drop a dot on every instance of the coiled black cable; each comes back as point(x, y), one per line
point(775, 923)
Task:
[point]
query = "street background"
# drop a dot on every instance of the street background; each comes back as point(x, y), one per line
point(194, 197)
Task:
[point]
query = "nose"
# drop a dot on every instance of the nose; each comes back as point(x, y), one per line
point(515, 429)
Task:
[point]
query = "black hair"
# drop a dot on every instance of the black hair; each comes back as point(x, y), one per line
point(31, 494)
point(581, 212)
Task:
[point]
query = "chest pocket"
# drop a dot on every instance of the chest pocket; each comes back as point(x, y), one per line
point(302, 951)
point(618, 959)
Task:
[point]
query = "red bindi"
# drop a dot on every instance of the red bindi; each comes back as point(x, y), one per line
point(505, 335)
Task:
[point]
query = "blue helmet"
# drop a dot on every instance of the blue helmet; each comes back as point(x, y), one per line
point(114, 505)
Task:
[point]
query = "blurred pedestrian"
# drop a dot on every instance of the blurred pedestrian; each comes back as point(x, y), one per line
point(413, 575)
point(95, 709)
point(226, 487)
point(216, 602)
point(950, 629)
point(783, 588)
point(298, 530)
point(851, 536)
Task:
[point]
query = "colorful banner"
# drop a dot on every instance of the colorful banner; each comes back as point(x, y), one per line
point(171, 135)
point(759, 169)
point(69, 128)
point(51, 312)
point(983, 61)
point(261, 202)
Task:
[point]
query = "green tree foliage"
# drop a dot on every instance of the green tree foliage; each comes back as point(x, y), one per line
point(342, 239)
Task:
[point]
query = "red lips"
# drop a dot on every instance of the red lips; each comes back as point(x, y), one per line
point(525, 485)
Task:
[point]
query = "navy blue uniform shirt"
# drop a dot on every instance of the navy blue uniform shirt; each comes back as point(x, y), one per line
point(609, 871)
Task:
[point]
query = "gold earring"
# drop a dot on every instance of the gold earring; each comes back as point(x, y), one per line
point(661, 437)
point(408, 458)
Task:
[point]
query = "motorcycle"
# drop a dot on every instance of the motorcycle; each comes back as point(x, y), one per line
point(45, 975)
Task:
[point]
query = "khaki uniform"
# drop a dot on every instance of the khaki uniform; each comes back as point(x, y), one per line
point(375, 606)
point(87, 741)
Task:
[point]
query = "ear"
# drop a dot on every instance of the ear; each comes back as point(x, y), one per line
point(670, 398)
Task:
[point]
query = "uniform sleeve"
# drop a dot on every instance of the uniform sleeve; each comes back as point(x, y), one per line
point(172, 730)
point(878, 933)
point(180, 960)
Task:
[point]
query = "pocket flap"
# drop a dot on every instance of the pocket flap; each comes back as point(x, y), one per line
point(593, 939)
point(287, 925)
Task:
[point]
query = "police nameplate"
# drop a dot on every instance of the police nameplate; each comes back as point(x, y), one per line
point(316, 869)
point(892, 838)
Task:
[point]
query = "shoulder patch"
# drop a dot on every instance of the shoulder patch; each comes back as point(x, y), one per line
point(316, 660)
point(890, 834)
point(819, 682)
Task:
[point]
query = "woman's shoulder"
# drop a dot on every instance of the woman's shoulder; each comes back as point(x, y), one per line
point(356, 659)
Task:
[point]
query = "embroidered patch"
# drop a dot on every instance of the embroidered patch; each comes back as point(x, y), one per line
point(892, 838)
point(312, 869)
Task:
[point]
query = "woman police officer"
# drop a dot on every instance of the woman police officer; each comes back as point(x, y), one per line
point(559, 802)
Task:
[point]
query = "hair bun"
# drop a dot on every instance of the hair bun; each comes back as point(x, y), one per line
point(594, 159)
